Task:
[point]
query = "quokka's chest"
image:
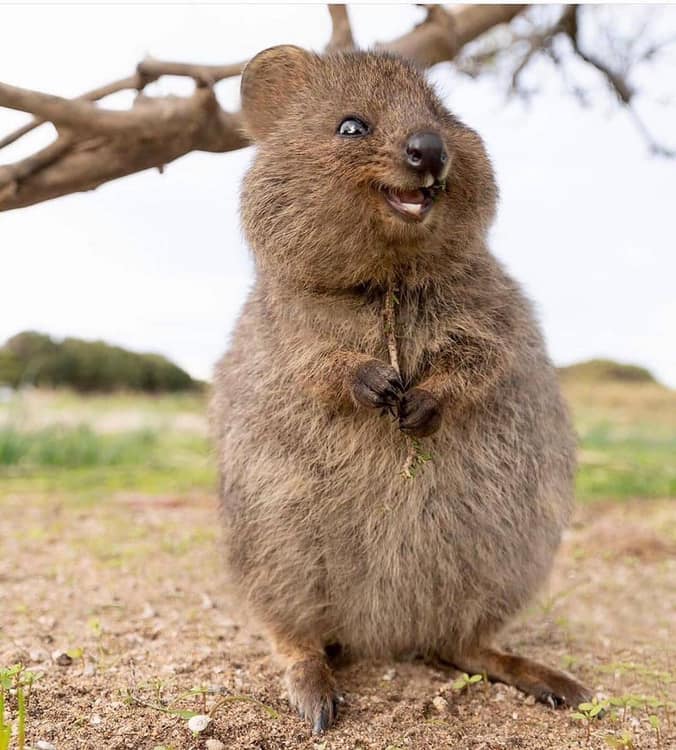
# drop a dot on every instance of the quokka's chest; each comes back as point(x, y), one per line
point(367, 323)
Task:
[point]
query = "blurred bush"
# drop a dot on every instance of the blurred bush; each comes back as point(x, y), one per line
point(605, 370)
point(32, 358)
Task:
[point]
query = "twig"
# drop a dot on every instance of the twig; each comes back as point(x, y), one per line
point(618, 83)
point(389, 324)
point(415, 457)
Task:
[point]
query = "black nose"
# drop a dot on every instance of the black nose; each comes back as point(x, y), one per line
point(425, 152)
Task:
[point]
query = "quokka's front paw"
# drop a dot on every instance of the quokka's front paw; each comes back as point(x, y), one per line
point(419, 413)
point(312, 692)
point(377, 385)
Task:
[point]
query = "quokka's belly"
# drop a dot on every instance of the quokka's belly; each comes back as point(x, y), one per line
point(387, 565)
point(428, 564)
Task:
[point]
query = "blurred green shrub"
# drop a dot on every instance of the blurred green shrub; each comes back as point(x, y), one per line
point(605, 370)
point(32, 358)
point(74, 447)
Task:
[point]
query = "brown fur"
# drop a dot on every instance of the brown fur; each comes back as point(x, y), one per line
point(326, 541)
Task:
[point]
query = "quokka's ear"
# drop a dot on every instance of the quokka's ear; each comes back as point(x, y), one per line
point(269, 82)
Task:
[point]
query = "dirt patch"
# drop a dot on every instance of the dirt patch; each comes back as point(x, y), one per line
point(134, 589)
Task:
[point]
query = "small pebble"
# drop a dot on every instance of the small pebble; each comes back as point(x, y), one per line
point(61, 658)
point(148, 612)
point(214, 745)
point(207, 602)
point(198, 723)
point(441, 704)
point(89, 669)
point(95, 719)
point(44, 745)
point(530, 700)
point(389, 675)
point(38, 655)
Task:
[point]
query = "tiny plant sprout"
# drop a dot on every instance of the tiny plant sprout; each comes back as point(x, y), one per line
point(465, 680)
point(622, 741)
point(18, 681)
point(198, 723)
point(588, 711)
point(656, 724)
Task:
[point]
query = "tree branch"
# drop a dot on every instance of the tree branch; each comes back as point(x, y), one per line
point(96, 145)
point(203, 75)
point(75, 163)
point(443, 33)
point(341, 31)
point(136, 81)
point(617, 81)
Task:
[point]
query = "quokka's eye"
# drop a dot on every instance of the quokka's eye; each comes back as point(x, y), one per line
point(353, 127)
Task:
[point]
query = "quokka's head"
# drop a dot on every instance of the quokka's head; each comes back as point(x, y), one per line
point(359, 166)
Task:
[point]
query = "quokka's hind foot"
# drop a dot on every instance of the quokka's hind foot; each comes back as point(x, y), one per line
point(549, 686)
point(312, 692)
point(310, 684)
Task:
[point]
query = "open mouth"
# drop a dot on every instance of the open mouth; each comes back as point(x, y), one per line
point(413, 205)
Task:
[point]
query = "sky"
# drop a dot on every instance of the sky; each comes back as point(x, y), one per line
point(158, 263)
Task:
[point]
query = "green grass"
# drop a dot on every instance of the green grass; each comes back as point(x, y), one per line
point(73, 448)
point(78, 459)
point(614, 464)
point(627, 439)
point(90, 446)
point(18, 681)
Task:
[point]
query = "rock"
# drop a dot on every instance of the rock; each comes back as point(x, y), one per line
point(198, 723)
point(89, 669)
point(214, 745)
point(389, 675)
point(44, 745)
point(95, 719)
point(207, 602)
point(61, 658)
point(38, 655)
point(148, 612)
point(530, 700)
point(441, 704)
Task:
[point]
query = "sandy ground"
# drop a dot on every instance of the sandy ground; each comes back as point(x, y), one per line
point(134, 583)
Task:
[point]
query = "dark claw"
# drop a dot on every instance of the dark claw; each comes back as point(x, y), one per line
point(397, 385)
point(326, 717)
point(391, 395)
point(552, 700)
point(419, 413)
point(312, 692)
point(377, 385)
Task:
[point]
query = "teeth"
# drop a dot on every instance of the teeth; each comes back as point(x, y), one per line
point(412, 208)
point(429, 180)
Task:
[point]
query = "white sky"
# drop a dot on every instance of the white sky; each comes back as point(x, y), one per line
point(157, 262)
